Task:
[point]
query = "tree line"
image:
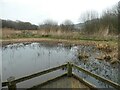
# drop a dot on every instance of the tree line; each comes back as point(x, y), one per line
point(49, 25)
point(46, 25)
point(107, 21)
point(18, 25)
point(92, 23)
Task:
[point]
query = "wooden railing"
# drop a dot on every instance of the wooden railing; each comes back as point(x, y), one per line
point(109, 82)
point(12, 83)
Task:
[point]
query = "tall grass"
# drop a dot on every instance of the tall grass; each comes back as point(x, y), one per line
point(10, 33)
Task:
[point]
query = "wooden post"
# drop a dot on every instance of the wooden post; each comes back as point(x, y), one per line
point(11, 85)
point(69, 68)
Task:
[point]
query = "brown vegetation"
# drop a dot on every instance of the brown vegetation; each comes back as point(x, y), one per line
point(83, 55)
point(104, 47)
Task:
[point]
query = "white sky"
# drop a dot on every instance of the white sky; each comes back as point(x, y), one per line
point(36, 11)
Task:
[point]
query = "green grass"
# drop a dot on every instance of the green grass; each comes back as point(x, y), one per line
point(68, 37)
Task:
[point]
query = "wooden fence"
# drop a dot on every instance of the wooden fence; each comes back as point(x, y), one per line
point(12, 83)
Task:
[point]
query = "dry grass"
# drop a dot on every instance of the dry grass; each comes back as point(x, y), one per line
point(59, 34)
point(8, 33)
point(42, 35)
point(16, 36)
point(32, 34)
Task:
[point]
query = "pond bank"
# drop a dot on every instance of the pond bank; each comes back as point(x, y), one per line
point(55, 41)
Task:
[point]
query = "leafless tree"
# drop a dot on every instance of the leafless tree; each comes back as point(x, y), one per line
point(68, 25)
point(49, 25)
point(88, 15)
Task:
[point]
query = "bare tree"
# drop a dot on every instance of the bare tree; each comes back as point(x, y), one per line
point(67, 22)
point(110, 19)
point(88, 15)
point(50, 22)
point(90, 20)
point(68, 25)
point(49, 25)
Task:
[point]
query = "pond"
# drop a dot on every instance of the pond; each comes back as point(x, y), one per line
point(23, 59)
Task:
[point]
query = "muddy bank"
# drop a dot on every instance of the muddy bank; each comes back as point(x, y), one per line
point(101, 45)
point(54, 41)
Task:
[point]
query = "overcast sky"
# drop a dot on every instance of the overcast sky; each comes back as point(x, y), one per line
point(36, 11)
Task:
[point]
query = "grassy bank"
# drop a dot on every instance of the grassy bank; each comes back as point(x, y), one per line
point(12, 36)
point(72, 35)
point(55, 41)
point(67, 38)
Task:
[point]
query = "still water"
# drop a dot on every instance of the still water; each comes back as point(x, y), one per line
point(23, 59)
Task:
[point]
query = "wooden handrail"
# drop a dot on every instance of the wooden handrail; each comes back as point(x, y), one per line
point(34, 75)
point(115, 85)
point(69, 67)
point(93, 87)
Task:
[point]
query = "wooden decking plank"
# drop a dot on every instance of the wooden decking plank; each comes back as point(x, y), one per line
point(66, 82)
point(63, 82)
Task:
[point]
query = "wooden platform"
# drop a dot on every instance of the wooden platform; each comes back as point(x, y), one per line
point(66, 80)
point(62, 82)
